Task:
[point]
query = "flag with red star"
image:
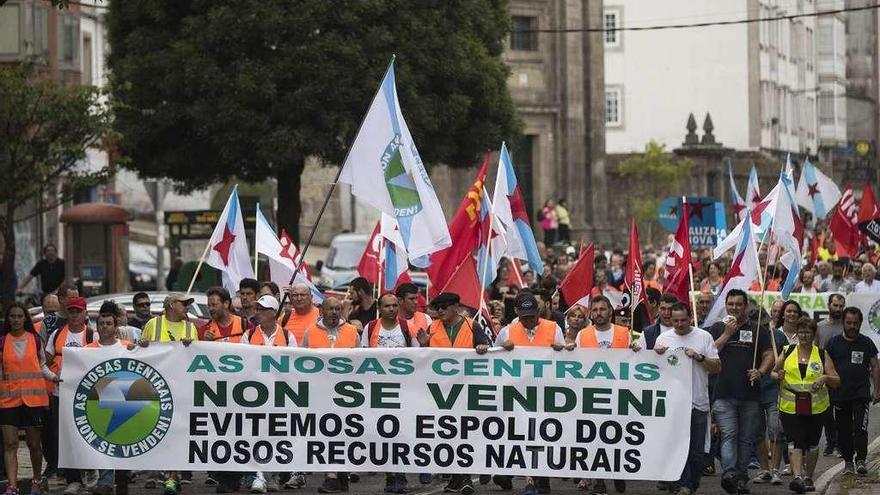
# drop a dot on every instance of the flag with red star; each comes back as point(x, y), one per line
point(228, 248)
point(743, 271)
point(753, 190)
point(816, 192)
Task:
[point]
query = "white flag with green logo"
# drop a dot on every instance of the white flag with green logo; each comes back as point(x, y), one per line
point(385, 171)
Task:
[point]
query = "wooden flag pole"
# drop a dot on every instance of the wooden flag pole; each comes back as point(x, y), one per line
point(692, 286)
point(256, 253)
point(762, 281)
point(192, 281)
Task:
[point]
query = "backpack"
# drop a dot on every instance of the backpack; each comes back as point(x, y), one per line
point(404, 328)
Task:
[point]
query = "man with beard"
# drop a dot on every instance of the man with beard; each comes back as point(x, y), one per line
point(651, 332)
point(360, 303)
point(833, 326)
point(855, 358)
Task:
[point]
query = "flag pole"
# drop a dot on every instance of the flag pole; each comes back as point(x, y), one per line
point(381, 263)
point(256, 253)
point(693, 286)
point(333, 184)
point(763, 282)
point(192, 281)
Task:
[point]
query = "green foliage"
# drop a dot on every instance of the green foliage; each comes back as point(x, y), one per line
point(659, 175)
point(208, 89)
point(45, 129)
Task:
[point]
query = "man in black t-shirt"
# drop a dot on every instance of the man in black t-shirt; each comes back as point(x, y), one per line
point(737, 399)
point(50, 269)
point(360, 301)
point(855, 358)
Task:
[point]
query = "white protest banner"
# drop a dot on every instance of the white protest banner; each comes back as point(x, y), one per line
point(870, 306)
point(230, 407)
point(814, 304)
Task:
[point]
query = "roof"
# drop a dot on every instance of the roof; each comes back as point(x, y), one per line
point(95, 213)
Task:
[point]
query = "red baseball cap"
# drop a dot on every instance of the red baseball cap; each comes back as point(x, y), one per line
point(78, 302)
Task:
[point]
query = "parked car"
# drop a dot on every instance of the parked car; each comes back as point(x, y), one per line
point(198, 310)
point(340, 266)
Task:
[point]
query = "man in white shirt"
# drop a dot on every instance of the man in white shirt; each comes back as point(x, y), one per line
point(868, 284)
point(698, 345)
point(390, 330)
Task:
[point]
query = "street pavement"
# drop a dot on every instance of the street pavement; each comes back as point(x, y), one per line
point(374, 483)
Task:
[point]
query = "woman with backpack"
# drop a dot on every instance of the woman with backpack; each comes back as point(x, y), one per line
point(24, 398)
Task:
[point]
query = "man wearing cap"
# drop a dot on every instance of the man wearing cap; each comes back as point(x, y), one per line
point(75, 333)
point(268, 332)
point(453, 330)
point(271, 334)
point(172, 325)
point(531, 331)
point(303, 314)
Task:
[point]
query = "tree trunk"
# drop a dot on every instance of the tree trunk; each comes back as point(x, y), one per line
point(8, 284)
point(289, 203)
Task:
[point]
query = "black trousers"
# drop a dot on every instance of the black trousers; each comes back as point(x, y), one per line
point(830, 430)
point(49, 435)
point(852, 429)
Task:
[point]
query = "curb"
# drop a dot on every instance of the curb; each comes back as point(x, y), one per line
point(822, 482)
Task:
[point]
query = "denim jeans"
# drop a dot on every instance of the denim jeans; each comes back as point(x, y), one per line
point(696, 460)
point(738, 421)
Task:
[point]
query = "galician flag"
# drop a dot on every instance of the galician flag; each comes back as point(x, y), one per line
point(283, 257)
point(816, 192)
point(753, 191)
point(394, 257)
point(385, 171)
point(743, 271)
point(739, 205)
point(510, 210)
point(228, 245)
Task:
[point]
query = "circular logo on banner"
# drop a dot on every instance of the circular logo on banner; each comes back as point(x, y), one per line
point(874, 317)
point(123, 408)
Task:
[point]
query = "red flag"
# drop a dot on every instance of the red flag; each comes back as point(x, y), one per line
point(675, 273)
point(869, 214)
point(292, 252)
point(465, 282)
point(514, 273)
point(844, 225)
point(368, 267)
point(578, 284)
point(465, 232)
point(633, 281)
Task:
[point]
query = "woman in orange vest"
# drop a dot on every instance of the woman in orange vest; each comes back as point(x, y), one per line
point(24, 399)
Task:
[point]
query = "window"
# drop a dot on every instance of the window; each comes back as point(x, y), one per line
point(87, 60)
point(9, 29)
point(523, 37)
point(68, 39)
point(611, 25)
point(613, 107)
point(826, 108)
point(811, 52)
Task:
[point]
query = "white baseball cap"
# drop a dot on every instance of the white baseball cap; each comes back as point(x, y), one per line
point(268, 302)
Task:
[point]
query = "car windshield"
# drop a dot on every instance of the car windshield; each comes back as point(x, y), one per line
point(345, 255)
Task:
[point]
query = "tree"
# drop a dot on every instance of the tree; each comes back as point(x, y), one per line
point(659, 175)
point(208, 89)
point(45, 128)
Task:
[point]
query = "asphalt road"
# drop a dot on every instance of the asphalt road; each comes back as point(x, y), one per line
point(374, 483)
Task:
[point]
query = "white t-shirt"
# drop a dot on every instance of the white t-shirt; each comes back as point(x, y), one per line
point(73, 340)
point(863, 288)
point(604, 337)
point(700, 341)
point(392, 337)
point(269, 340)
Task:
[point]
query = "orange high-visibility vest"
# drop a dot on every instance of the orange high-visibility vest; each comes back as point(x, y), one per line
point(23, 382)
point(419, 321)
point(297, 324)
point(620, 339)
point(440, 337)
point(60, 340)
point(97, 344)
point(282, 337)
point(346, 338)
point(374, 327)
point(235, 334)
point(545, 335)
